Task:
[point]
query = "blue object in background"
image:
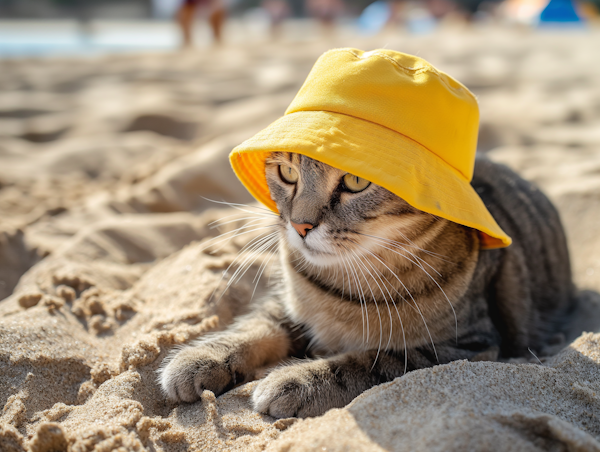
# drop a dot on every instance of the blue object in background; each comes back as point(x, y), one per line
point(560, 12)
point(374, 17)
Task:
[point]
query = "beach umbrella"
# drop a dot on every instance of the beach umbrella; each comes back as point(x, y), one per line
point(559, 11)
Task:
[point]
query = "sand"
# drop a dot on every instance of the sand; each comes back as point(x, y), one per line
point(105, 167)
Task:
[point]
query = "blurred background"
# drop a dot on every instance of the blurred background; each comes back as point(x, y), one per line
point(121, 109)
point(46, 27)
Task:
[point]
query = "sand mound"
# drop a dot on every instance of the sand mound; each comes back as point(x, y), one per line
point(105, 167)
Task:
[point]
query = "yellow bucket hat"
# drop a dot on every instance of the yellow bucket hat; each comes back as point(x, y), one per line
point(390, 118)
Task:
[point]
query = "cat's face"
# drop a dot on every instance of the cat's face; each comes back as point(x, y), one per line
point(327, 213)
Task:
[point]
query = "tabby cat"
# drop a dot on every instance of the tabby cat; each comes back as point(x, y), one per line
point(373, 288)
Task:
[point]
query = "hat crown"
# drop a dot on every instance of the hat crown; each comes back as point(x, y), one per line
point(401, 92)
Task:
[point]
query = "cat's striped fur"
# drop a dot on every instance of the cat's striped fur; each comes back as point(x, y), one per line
point(377, 288)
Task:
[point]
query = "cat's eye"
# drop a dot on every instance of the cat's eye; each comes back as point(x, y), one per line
point(288, 174)
point(354, 183)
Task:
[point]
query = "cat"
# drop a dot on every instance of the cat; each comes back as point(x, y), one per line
point(373, 288)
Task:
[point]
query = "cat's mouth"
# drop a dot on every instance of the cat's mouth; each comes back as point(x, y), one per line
point(315, 247)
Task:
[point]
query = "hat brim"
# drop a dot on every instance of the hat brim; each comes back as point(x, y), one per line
point(373, 152)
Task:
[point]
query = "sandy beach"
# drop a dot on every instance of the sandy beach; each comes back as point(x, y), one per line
point(107, 168)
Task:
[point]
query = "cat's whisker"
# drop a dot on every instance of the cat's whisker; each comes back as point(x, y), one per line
point(376, 306)
point(335, 276)
point(272, 272)
point(391, 270)
point(339, 255)
point(345, 269)
point(414, 304)
point(384, 298)
point(359, 293)
point(432, 279)
point(319, 273)
point(409, 294)
point(251, 256)
point(400, 246)
point(249, 260)
point(380, 275)
point(362, 311)
point(418, 264)
point(411, 244)
point(227, 236)
point(240, 253)
point(220, 222)
point(304, 261)
point(419, 259)
point(239, 206)
point(225, 241)
point(244, 228)
point(414, 245)
point(248, 251)
point(235, 215)
point(263, 266)
point(437, 256)
point(224, 236)
point(300, 256)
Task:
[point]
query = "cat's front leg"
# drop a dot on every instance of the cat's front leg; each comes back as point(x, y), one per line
point(310, 388)
point(222, 360)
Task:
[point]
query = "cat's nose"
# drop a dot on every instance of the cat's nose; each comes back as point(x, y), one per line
point(303, 228)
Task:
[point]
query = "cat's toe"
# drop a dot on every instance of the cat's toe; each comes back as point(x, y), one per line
point(285, 394)
point(277, 401)
point(177, 383)
point(191, 371)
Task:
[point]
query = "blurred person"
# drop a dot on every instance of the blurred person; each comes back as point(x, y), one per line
point(593, 5)
point(471, 7)
point(397, 11)
point(440, 8)
point(325, 11)
point(590, 10)
point(436, 9)
point(165, 9)
point(278, 11)
point(187, 14)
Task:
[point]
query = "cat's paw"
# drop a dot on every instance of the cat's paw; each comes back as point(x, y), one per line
point(290, 391)
point(194, 369)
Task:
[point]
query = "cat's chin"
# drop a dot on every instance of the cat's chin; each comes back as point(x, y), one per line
point(318, 258)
